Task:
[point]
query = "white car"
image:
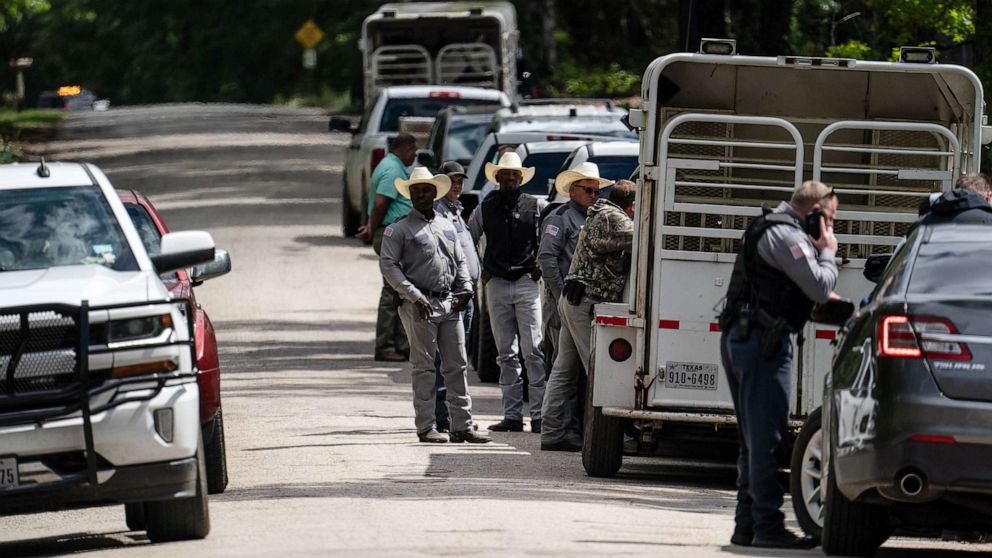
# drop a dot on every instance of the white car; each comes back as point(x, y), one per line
point(616, 160)
point(98, 393)
point(381, 122)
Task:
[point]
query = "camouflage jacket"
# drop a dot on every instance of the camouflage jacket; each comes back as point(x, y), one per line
point(602, 257)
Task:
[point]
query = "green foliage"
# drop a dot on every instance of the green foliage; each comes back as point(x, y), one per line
point(613, 81)
point(853, 49)
point(13, 122)
point(10, 152)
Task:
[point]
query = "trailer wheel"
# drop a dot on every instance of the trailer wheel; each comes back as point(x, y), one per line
point(602, 443)
point(850, 528)
point(134, 516)
point(350, 219)
point(181, 519)
point(806, 471)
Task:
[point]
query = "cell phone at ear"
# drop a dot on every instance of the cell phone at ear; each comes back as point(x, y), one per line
point(813, 224)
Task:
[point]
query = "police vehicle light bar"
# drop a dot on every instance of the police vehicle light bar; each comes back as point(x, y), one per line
point(724, 47)
point(918, 55)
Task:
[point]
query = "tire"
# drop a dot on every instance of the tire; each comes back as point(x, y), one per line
point(216, 452)
point(134, 516)
point(850, 528)
point(181, 519)
point(488, 366)
point(806, 471)
point(350, 219)
point(602, 439)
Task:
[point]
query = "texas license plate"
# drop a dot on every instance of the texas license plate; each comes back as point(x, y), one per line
point(690, 375)
point(8, 472)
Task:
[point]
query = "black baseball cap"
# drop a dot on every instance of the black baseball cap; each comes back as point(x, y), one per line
point(452, 168)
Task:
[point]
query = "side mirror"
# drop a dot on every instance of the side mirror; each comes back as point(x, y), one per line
point(875, 265)
point(220, 266)
point(340, 124)
point(425, 158)
point(183, 249)
point(833, 312)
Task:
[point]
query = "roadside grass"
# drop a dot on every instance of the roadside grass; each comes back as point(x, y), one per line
point(334, 102)
point(14, 126)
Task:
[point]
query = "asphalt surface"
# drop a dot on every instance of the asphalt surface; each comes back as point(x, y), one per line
point(322, 451)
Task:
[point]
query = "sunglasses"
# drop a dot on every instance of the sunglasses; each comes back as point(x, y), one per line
point(588, 190)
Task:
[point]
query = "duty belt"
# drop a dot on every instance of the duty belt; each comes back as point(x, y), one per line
point(435, 294)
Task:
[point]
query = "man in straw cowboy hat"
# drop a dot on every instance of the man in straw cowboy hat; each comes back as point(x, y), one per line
point(559, 235)
point(423, 260)
point(508, 219)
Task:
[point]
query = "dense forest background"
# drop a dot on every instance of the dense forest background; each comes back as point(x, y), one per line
point(243, 50)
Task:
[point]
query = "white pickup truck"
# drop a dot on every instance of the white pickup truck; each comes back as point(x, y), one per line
point(380, 123)
point(98, 394)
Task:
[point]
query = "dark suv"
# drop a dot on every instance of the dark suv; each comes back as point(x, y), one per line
point(908, 404)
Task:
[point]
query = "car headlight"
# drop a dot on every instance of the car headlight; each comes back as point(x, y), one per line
point(133, 329)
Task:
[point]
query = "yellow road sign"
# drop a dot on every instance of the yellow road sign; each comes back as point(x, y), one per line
point(309, 34)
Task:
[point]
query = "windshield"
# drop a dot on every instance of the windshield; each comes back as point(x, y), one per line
point(546, 166)
point(615, 167)
point(464, 137)
point(395, 108)
point(51, 227)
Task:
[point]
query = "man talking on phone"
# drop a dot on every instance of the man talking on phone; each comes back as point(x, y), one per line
point(785, 266)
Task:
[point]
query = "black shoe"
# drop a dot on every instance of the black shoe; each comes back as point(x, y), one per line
point(469, 436)
point(507, 425)
point(432, 436)
point(535, 426)
point(444, 426)
point(785, 539)
point(563, 445)
point(741, 538)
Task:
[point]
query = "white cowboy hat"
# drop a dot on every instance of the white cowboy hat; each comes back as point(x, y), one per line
point(421, 175)
point(509, 161)
point(582, 171)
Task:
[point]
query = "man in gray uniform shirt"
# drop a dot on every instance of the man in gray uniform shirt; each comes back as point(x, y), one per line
point(785, 266)
point(423, 260)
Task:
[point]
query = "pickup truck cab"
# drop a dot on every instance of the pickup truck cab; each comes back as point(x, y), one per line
point(98, 395)
point(381, 122)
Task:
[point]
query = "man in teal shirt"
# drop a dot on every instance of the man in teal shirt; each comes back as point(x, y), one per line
point(386, 207)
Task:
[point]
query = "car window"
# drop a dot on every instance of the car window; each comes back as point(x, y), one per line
point(51, 227)
point(396, 108)
point(147, 230)
point(894, 274)
point(464, 137)
point(546, 166)
point(952, 269)
point(615, 167)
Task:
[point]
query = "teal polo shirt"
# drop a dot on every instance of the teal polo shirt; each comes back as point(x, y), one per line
point(388, 170)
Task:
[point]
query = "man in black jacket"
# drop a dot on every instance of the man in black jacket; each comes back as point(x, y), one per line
point(967, 203)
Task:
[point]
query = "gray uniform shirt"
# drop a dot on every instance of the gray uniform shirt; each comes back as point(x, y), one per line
point(420, 255)
point(452, 211)
point(558, 240)
point(791, 251)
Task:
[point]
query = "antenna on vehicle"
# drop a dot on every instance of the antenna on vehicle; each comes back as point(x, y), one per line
point(43, 170)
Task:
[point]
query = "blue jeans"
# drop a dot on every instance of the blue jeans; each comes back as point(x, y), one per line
point(760, 389)
point(440, 405)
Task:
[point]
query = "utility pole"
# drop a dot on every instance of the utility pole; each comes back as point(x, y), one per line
point(20, 64)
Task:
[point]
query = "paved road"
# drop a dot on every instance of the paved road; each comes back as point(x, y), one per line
point(321, 444)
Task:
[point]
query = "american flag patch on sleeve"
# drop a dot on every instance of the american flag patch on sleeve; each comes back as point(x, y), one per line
point(552, 230)
point(388, 231)
point(798, 251)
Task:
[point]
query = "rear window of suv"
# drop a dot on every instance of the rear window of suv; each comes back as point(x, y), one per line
point(396, 108)
point(952, 269)
point(51, 227)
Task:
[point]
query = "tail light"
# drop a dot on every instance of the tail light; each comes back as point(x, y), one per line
point(620, 350)
point(916, 336)
point(377, 156)
point(444, 94)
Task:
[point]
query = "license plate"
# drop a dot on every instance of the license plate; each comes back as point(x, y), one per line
point(690, 375)
point(8, 472)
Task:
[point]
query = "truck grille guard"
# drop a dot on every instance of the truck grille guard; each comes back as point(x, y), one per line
point(72, 388)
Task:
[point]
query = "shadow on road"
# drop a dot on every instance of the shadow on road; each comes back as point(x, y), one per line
point(72, 543)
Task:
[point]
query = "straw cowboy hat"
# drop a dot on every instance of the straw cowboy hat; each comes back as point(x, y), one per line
point(583, 171)
point(421, 175)
point(509, 161)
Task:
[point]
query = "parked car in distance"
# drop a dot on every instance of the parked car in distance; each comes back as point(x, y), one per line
point(73, 98)
point(381, 122)
point(456, 135)
point(151, 228)
point(616, 160)
point(906, 421)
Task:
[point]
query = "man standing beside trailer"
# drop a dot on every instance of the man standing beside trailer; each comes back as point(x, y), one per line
point(785, 266)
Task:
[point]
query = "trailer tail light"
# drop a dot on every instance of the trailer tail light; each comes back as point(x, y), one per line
point(620, 350)
point(377, 156)
point(914, 337)
point(444, 94)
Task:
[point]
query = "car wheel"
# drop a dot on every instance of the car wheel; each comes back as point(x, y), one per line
point(350, 219)
point(602, 443)
point(850, 528)
point(134, 516)
point(488, 365)
point(181, 518)
point(216, 451)
point(806, 473)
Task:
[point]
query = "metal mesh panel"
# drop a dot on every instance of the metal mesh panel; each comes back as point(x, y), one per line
point(38, 352)
point(402, 65)
point(468, 64)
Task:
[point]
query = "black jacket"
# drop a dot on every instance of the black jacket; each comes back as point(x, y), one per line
point(958, 206)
